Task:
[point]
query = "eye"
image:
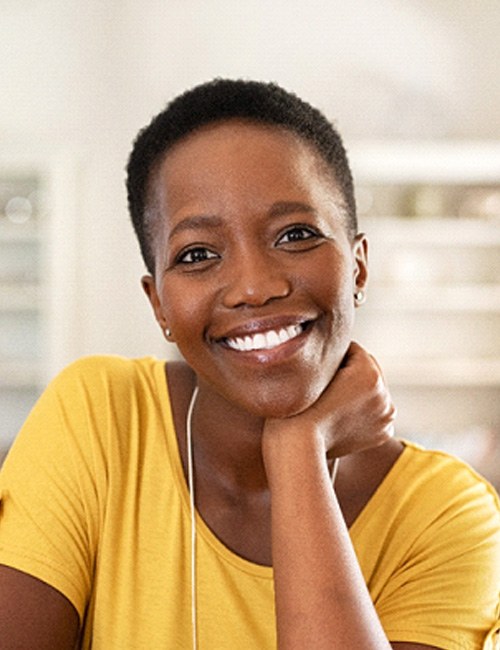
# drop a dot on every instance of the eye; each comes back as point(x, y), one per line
point(196, 255)
point(298, 234)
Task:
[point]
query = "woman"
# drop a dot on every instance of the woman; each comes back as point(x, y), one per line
point(144, 508)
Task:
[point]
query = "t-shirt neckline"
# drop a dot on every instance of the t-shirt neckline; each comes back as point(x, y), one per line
point(203, 529)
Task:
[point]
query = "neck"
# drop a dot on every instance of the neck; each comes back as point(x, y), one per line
point(227, 442)
point(229, 493)
point(226, 439)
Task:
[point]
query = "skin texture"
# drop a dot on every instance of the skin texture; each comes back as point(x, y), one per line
point(33, 615)
point(251, 237)
point(241, 217)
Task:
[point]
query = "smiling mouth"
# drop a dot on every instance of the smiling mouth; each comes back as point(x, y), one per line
point(265, 340)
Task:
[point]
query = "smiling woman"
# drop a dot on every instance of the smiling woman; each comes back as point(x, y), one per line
point(252, 496)
point(255, 242)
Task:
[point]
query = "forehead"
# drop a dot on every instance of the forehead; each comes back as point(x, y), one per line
point(236, 133)
point(237, 153)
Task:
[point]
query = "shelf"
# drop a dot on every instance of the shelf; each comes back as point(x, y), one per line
point(484, 373)
point(18, 375)
point(425, 162)
point(478, 298)
point(22, 232)
point(19, 297)
point(434, 232)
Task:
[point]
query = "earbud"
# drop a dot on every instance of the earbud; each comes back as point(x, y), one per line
point(359, 297)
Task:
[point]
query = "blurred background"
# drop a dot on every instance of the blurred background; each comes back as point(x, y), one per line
point(414, 88)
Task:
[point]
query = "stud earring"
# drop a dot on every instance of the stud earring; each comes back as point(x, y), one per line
point(359, 297)
point(168, 332)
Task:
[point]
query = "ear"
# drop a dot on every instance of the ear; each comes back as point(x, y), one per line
point(360, 258)
point(149, 286)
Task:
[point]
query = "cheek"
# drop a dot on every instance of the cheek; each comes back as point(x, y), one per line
point(188, 309)
point(331, 281)
point(335, 295)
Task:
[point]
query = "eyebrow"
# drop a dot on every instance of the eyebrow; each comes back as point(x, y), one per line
point(289, 207)
point(211, 221)
point(196, 222)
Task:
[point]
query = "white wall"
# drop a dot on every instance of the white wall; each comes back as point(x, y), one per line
point(83, 76)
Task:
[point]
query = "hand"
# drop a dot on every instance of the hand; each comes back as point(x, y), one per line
point(354, 412)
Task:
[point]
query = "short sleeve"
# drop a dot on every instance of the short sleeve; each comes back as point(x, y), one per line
point(446, 590)
point(49, 487)
point(492, 641)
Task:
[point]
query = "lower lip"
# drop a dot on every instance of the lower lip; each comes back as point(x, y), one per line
point(273, 355)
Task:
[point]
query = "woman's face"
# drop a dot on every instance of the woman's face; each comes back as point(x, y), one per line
point(255, 273)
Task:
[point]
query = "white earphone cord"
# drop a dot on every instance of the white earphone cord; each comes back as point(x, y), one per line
point(192, 510)
point(189, 448)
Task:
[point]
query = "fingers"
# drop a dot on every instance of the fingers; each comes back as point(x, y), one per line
point(357, 353)
point(372, 407)
point(354, 351)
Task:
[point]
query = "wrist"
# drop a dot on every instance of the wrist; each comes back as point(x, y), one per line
point(287, 448)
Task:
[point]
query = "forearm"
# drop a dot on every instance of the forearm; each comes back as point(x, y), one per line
point(321, 596)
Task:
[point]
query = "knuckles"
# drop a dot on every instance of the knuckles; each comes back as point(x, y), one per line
point(367, 413)
point(356, 411)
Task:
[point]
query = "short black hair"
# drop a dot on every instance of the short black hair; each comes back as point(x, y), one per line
point(219, 100)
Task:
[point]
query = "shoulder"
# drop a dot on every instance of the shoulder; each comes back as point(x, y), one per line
point(102, 377)
point(92, 413)
point(443, 477)
point(94, 397)
point(102, 367)
point(433, 544)
point(431, 501)
point(444, 505)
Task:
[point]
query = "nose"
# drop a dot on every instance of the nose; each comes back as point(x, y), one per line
point(255, 280)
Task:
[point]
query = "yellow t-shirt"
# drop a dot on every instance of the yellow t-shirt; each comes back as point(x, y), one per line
point(95, 504)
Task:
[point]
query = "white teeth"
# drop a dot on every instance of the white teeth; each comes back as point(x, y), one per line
point(272, 339)
point(264, 341)
point(259, 342)
point(283, 334)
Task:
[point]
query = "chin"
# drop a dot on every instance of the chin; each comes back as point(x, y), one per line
point(279, 403)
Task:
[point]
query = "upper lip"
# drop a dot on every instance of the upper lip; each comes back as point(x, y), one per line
point(259, 325)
